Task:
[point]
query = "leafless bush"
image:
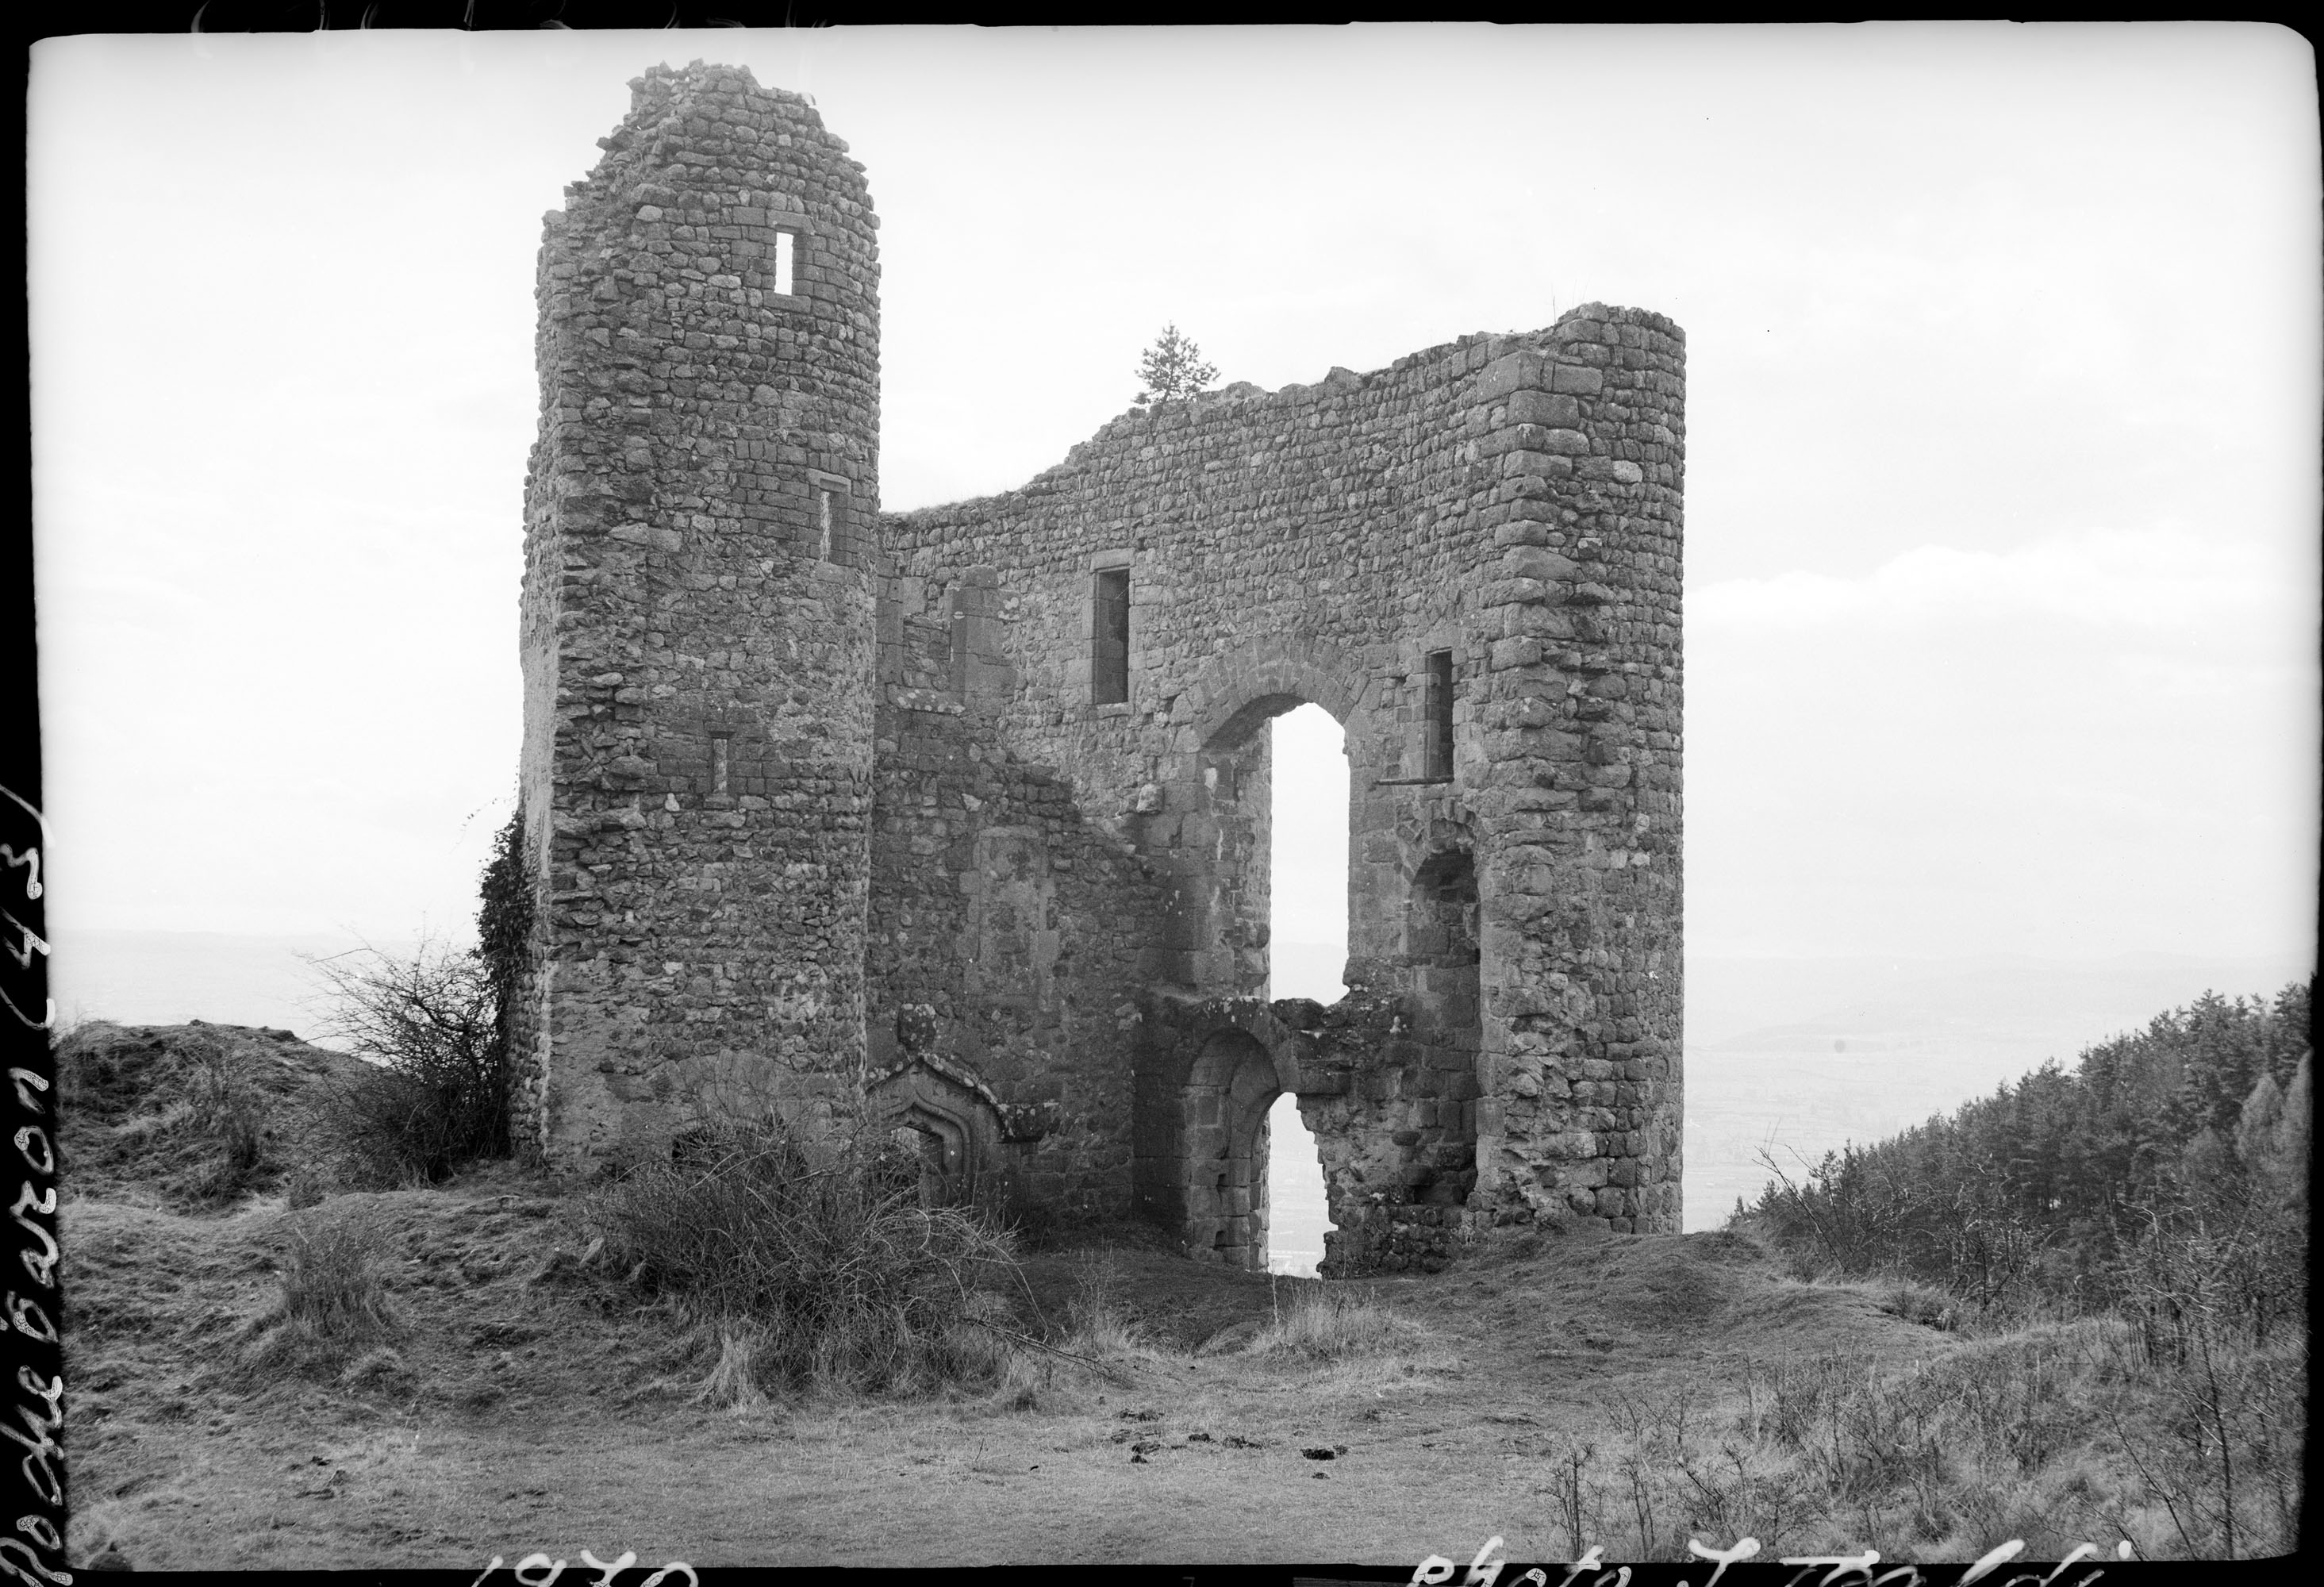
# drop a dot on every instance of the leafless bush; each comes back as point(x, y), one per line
point(440, 1095)
point(2221, 1452)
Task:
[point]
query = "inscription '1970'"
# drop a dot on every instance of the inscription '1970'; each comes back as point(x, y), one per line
point(538, 1570)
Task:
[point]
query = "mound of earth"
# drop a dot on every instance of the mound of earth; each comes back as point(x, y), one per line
point(153, 1112)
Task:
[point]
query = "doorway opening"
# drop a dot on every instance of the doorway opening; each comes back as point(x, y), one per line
point(1307, 947)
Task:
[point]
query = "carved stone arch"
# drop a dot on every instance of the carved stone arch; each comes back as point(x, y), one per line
point(1241, 688)
point(955, 1112)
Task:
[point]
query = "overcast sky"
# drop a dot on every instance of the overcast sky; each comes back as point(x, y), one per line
point(2001, 616)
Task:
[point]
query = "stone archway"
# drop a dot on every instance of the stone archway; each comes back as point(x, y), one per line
point(1233, 1082)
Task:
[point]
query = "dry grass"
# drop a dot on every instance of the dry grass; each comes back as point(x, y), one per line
point(811, 1270)
point(196, 1116)
point(1327, 1322)
point(2054, 1436)
point(1098, 1320)
point(332, 1303)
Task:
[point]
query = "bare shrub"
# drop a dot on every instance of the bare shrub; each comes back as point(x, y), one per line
point(2220, 1445)
point(440, 1095)
point(790, 1231)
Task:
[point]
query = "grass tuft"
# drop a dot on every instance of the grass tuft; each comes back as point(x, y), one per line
point(733, 1381)
point(1098, 1324)
point(332, 1303)
point(1328, 1322)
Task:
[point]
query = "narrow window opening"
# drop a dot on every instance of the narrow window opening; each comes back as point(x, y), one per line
point(718, 762)
point(1436, 709)
point(784, 242)
point(834, 520)
point(1110, 658)
point(1307, 856)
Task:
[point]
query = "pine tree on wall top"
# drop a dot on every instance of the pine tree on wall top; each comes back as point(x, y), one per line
point(1173, 367)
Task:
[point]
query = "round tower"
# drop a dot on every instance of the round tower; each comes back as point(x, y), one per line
point(697, 619)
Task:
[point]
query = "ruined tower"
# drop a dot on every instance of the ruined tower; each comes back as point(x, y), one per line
point(962, 814)
point(697, 613)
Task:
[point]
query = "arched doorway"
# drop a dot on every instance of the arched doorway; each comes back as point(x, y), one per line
point(1228, 1092)
point(930, 1157)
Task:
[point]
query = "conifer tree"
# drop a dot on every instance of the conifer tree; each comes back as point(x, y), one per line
point(1173, 368)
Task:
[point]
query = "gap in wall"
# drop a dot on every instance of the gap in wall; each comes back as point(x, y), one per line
point(1307, 947)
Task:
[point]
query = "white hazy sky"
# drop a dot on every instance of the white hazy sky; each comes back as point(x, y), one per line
point(2002, 503)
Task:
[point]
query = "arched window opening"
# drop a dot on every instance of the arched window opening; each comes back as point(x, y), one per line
point(1308, 927)
point(1307, 947)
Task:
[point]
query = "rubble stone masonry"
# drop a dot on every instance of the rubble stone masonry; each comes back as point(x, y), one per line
point(697, 766)
point(849, 810)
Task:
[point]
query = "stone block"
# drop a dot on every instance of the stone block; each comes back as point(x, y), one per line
point(1537, 563)
point(1544, 408)
point(1549, 462)
point(1512, 372)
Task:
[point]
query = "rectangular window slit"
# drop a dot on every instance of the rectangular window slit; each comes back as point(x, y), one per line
point(835, 529)
point(1110, 652)
point(783, 246)
point(1436, 708)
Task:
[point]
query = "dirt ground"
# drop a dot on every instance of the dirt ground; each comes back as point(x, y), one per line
point(526, 1404)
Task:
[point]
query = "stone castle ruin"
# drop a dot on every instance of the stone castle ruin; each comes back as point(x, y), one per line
point(963, 813)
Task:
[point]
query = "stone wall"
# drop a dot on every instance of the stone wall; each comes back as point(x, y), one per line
point(1009, 934)
point(697, 614)
point(1514, 502)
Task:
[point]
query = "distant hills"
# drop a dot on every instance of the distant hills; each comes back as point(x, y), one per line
point(1801, 1055)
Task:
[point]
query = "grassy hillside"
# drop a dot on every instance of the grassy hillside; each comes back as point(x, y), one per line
point(2157, 1190)
point(269, 1370)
